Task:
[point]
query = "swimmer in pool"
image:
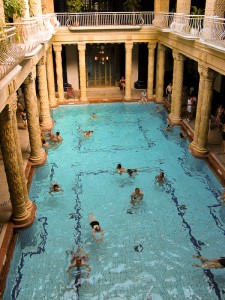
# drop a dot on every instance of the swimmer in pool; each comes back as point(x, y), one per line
point(136, 197)
point(95, 228)
point(160, 178)
point(121, 170)
point(88, 133)
point(55, 188)
point(210, 263)
point(78, 260)
point(94, 116)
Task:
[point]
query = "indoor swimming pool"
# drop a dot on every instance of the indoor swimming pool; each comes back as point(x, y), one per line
point(147, 249)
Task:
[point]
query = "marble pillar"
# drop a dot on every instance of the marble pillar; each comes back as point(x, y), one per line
point(20, 214)
point(50, 78)
point(199, 145)
point(28, 202)
point(128, 70)
point(38, 155)
point(45, 118)
point(151, 64)
point(82, 71)
point(177, 92)
point(183, 6)
point(160, 70)
point(59, 72)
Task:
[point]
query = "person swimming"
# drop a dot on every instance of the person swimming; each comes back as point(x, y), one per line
point(121, 170)
point(95, 228)
point(160, 178)
point(78, 260)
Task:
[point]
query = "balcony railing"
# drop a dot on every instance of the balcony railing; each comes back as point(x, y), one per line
point(163, 20)
point(11, 54)
point(99, 19)
point(213, 31)
point(210, 30)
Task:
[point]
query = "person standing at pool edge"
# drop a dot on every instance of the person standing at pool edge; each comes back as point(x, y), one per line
point(95, 228)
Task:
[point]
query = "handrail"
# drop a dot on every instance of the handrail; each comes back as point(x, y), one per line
point(105, 19)
point(11, 54)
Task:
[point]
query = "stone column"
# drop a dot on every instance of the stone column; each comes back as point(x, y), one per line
point(46, 121)
point(194, 143)
point(151, 64)
point(50, 78)
point(27, 9)
point(82, 71)
point(128, 70)
point(178, 75)
point(2, 13)
point(20, 214)
point(28, 203)
point(162, 5)
point(199, 145)
point(160, 70)
point(59, 72)
point(38, 156)
point(183, 6)
point(35, 7)
point(215, 8)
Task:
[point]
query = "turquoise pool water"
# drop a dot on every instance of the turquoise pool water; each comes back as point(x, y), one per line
point(147, 251)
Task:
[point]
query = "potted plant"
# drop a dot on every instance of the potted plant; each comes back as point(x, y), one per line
point(74, 6)
point(196, 24)
point(132, 6)
point(14, 9)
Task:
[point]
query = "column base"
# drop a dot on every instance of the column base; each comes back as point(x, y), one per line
point(28, 221)
point(48, 125)
point(29, 205)
point(54, 105)
point(159, 99)
point(197, 151)
point(40, 161)
point(127, 98)
point(83, 99)
point(174, 120)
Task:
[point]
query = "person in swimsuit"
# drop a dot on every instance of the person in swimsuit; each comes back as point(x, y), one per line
point(78, 260)
point(169, 89)
point(136, 197)
point(24, 118)
point(160, 178)
point(143, 98)
point(88, 133)
point(57, 137)
point(94, 116)
point(122, 84)
point(45, 144)
point(121, 170)
point(210, 263)
point(95, 228)
point(55, 188)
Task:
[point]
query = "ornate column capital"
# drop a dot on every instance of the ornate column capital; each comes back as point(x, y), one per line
point(209, 74)
point(178, 56)
point(129, 46)
point(57, 48)
point(31, 77)
point(8, 113)
point(42, 61)
point(151, 46)
point(81, 46)
point(161, 47)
